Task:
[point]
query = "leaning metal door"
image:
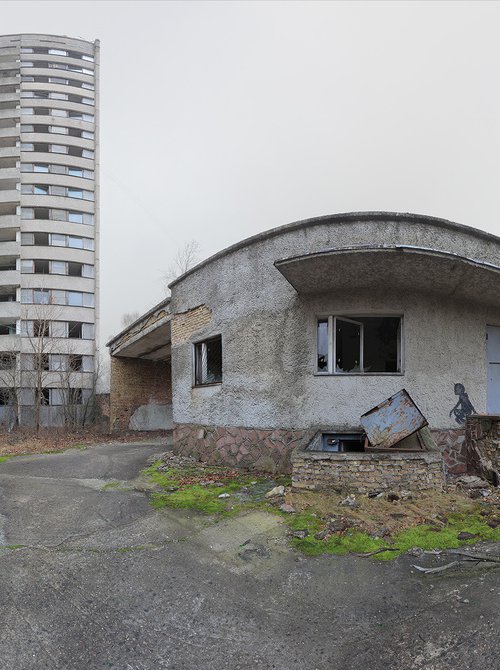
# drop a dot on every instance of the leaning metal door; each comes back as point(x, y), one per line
point(493, 352)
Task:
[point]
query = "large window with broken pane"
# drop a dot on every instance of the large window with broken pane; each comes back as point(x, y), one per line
point(359, 345)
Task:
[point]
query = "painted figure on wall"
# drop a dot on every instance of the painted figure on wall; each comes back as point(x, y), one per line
point(464, 407)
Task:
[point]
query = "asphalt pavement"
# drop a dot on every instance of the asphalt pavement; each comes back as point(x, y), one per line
point(92, 577)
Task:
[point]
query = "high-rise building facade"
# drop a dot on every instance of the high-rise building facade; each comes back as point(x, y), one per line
point(49, 225)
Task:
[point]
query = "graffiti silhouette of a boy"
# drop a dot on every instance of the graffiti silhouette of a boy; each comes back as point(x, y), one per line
point(464, 407)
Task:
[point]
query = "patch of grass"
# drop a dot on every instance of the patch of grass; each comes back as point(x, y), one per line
point(139, 547)
point(4, 458)
point(183, 489)
point(425, 536)
point(430, 537)
point(115, 486)
point(13, 546)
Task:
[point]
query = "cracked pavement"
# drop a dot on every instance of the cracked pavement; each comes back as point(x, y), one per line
point(94, 578)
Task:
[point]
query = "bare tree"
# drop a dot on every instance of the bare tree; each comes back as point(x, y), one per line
point(185, 258)
point(9, 384)
point(129, 317)
point(37, 324)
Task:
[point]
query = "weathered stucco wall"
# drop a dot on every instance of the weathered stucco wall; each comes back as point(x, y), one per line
point(269, 333)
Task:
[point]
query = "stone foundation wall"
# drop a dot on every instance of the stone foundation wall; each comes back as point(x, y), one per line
point(362, 472)
point(483, 447)
point(243, 447)
point(452, 445)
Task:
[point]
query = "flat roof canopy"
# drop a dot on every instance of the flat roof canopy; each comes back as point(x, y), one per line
point(148, 337)
point(392, 266)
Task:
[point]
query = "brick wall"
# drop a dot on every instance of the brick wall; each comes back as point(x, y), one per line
point(361, 472)
point(134, 383)
point(185, 324)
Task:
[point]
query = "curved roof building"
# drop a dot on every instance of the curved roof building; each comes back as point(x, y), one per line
point(49, 223)
point(308, 326)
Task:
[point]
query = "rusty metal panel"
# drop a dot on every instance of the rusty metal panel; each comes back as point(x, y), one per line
point(393, 420)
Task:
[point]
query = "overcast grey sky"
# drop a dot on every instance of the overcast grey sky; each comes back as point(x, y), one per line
point(223, 119)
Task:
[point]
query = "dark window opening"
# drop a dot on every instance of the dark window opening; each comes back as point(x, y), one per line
point(40, 328)
point(76, 362)
point(75, 269)
point(44, 396)
point(41, 267)
point(360, 345)
point(75, 329)
point(41, 239)
point(7, 361)
point(208, 361)
point(7, 329)
point(6, 397)
point(43, 362)
point(42, 213)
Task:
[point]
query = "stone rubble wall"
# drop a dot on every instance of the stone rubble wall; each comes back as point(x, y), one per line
point(363, 472)
point(242, 447)
point(452, 444)
point(483, 447)
point(271, 449)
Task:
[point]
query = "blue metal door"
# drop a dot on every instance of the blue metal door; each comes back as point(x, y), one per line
point(493, 349)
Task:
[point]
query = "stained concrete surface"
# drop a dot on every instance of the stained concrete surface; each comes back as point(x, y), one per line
point(105, 581)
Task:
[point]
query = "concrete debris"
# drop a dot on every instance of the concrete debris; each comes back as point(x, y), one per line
point(350, 501)
point(466, 536)
point(375, 494)
point(288, 509)
point(322, 535)
point(276, 491)
point(300, 534)
point(472, 482)
point(339, 525)
point(224, 495)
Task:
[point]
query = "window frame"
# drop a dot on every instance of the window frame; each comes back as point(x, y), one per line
point(352, 317)
point(195, 367)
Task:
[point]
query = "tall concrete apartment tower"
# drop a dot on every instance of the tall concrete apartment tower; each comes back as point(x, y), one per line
point(49, 226)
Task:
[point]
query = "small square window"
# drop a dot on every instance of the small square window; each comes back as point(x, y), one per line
point(208, 362)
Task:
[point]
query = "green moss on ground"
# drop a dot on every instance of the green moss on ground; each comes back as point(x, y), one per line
point(183, 489)
point(4, 458)
point(423, 536)
point(115, 486)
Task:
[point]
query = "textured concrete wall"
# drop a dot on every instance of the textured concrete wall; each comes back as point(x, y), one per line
point(269, 334)
point(141, 394)
point(361, 473)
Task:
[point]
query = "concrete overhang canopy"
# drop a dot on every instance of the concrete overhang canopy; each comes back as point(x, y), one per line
point(393, 266)
point(149, 337)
